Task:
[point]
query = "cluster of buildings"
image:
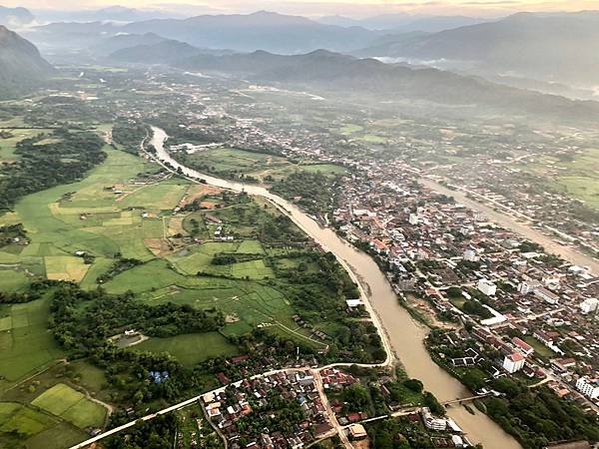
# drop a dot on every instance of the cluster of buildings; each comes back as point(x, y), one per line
point(251, 400)
point(433, 246)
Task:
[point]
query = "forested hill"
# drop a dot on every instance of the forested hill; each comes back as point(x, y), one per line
point(21, 64)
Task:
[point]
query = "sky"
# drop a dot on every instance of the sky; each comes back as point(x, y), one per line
point(355, 8)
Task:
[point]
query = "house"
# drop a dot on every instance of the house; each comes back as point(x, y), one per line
point(523, 347)
point(589, 305)
point(357, 432)
point(546, 295)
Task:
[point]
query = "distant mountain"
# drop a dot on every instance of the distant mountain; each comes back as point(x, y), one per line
point(262, 30)
point(163, 52)
point(109, 45)
point(404, 23)
point(15, 17)
point(20, 63)
point(332, 71)
point(109, 14)
point(71, 35)
point(560, 47)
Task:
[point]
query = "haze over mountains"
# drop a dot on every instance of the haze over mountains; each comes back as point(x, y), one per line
point(368, 77)
point(558, 48)
point(527, 49)
point(551, 47)
point(404, 23)
point(15, 17)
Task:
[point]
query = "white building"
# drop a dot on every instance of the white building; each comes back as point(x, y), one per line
point(487, 287)
point(588, 387)
point(471, 256)
point(431, 422)
point(589, 305)
point(413, 220)
point(513, 362)
point(527, 287)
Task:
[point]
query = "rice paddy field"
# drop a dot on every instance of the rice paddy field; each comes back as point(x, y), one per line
point(125, 209)
point(113, 213)
point(71, 405)
point(579, 177)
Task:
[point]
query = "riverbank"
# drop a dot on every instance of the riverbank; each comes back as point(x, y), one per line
point(404, 336)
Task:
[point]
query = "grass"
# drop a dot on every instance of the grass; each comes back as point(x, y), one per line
point(579, 177)
point(540, 348)
point(351, 129)
point(25, 342)
point(264, 167)
point(190, 349)
point(71, 405)
point(12, 280)
point(7, 146)
point(201, 261)
point(16, 418)
point(371, 138)
point(65, 268)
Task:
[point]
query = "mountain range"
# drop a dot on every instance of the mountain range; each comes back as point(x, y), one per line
point(556, 47)
point(20, 63)
point(373, 79)
point(403, 23)
point(111, 13)
point(243, 33)
point(164, 51)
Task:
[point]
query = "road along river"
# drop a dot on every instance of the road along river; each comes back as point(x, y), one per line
point(404, 334)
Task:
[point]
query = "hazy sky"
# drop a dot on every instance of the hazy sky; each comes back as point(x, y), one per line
point(324, 7)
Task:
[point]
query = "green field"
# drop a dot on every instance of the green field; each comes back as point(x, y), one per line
point(190, 349)
point(25, 342)
point(579, 177)
point(17, 418)
point(351, 129)
point(539, 347)
point(71, 405)
point(227, 162)
point(7, 146)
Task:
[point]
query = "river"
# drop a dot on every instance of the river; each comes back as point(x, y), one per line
point(405, 335)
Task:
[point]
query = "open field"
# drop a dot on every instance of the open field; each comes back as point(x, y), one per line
point(88, 216)
point(579, 177)
point(262, 167)
point(190, 349)
point(539, 347)
point(25, 342)
point(71, 405)
point(7, 146)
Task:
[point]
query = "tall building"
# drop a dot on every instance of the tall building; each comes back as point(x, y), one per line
point(513, 362)
point(588, 387)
